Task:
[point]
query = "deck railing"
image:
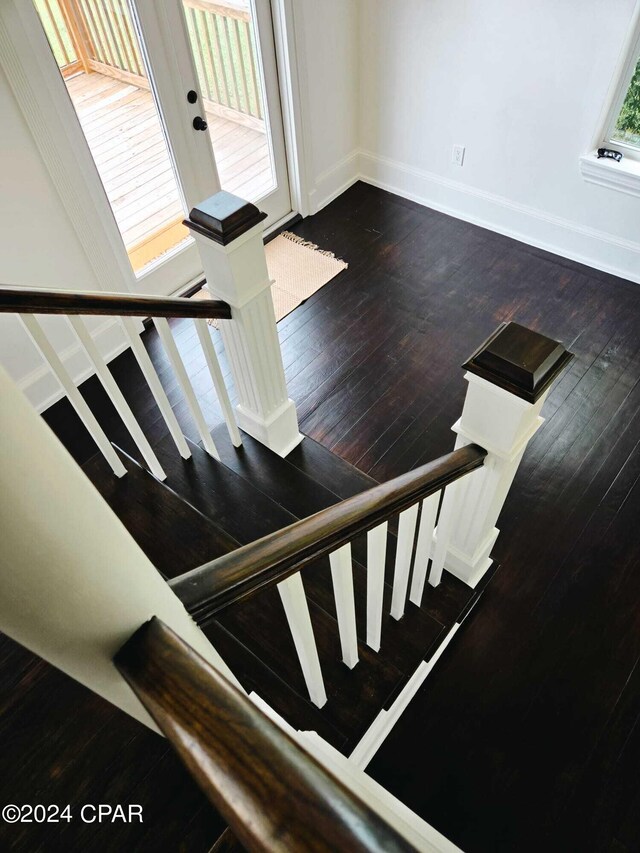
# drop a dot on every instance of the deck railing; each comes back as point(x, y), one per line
point(225, 55)
point(99, 35)
point(109, 34)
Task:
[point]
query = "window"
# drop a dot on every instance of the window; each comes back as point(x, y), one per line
point(624, 130)
point(620, 128)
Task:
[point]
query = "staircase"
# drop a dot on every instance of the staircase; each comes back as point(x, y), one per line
point(255, 559)
point(206, 508)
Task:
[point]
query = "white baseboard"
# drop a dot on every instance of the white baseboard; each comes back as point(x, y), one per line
point(379, 729)
point(334, 181)
point(413, 828)
point(597, 249)
point(41, 386)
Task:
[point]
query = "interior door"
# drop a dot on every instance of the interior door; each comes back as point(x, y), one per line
point(176, 100)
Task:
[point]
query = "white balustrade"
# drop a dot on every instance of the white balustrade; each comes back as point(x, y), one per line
point(406, 535)
point(428, 515)
point(185, 384)
point(159, 395)
point(296, 609)
point(342, 578)
point(116, 396)
point(376, 560)
point(74, 396)
point(443, 531)
point(202, 329)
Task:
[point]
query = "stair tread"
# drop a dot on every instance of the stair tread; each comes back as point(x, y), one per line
point(284, 483)
point(255, 675)
point(216, 506)
point(331, 471)
point(221, 494)
point(227, 494)
point(355, 696)
point(152, 513)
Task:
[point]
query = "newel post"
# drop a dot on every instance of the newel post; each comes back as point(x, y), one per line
point(509, 378)
point(228, 233)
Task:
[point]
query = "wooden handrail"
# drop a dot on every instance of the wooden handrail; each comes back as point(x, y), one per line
point(273, 794)
point(213, 586)
point(25, 301)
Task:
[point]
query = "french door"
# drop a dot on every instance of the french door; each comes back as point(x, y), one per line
point(175, 100)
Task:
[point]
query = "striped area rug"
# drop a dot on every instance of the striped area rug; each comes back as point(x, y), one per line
point(297, 268)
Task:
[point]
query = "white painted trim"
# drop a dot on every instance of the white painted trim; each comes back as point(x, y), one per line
point(623, 176)
point(334, 181)
point(42, 97)
point(277, 225)
point(294, 99)
point(620, 80)
point(598, 249)
point(379, 729)
point(410, 825)
point(171, 72)
point(41, 386)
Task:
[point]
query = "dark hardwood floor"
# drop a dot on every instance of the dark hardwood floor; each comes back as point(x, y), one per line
point(526, 735)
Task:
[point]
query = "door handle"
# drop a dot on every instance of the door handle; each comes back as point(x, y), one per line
point(199, 123)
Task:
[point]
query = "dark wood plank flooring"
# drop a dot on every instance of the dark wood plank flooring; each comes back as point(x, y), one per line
point(526, 735)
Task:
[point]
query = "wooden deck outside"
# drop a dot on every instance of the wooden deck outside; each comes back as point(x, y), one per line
point(122, 127)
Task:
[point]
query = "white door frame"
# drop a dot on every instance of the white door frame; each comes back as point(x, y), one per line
point(39, 90)
point(294, 99)
point(41, 94)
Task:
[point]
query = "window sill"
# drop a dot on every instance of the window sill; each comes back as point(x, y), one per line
point(623, 176)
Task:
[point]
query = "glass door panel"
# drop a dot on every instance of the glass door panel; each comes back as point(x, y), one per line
point(96, 47)
point(145, 77)
point(223, 44)
point(231, 53)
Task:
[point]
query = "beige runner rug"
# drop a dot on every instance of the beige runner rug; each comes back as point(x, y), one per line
point(298, 268)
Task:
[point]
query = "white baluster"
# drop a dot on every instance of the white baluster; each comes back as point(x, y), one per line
point(218, 381)
point(296, 609)
point(116, 396)
point(74, 396)
point(406, 534)
point(424, 547)
point(376, 560)
point(443, 531)
point(185, 384)
point(342, 577)
point(149, 373)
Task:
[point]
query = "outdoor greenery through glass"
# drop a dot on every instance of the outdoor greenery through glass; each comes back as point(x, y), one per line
point(57, 33)
point(627, 127)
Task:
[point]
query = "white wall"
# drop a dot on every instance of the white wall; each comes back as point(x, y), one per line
point(521, 85)
point(327, 45)
point(388, 87)
point(74, 585)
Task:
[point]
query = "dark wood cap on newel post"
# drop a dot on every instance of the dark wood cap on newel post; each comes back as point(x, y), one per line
point(521, 361)
point(224, 217)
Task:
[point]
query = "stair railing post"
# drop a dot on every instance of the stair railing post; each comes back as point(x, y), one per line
point(228, 233)
point(509, 378)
